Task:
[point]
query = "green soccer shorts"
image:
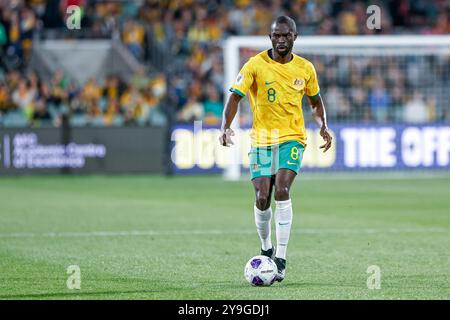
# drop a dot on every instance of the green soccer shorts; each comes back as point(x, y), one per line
point(266, 161)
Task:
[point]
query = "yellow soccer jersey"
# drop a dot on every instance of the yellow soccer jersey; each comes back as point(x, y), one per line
point(275, 93)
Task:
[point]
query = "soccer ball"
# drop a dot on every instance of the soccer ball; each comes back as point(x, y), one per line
point(260, 271)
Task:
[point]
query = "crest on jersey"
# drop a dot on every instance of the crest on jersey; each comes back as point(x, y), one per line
point(239, 79)
point(299, 82)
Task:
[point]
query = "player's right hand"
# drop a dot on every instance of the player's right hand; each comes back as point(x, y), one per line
point(225, 138)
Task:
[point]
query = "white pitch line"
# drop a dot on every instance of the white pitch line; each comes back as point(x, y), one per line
point(440, 175)
point(92, 234)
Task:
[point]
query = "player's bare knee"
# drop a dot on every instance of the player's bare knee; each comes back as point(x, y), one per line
point(262, 200)
point(262, 204)
point(281, 193)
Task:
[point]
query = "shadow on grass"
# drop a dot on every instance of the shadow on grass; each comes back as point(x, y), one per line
point(76, 294)
point(318, 284)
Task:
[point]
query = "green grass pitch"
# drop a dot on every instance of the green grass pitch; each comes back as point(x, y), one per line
point(150, 237)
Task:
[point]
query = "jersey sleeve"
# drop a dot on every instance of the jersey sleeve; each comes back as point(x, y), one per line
point(312, 86)
point(244, 79)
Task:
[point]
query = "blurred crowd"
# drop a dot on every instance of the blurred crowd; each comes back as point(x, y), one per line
point(26, 99)
point(385, 89)
point(190, 33)
point(193, 30)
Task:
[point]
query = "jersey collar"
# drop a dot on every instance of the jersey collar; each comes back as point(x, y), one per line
point(281, 64)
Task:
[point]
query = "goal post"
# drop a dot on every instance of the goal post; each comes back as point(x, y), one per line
point(401, 47)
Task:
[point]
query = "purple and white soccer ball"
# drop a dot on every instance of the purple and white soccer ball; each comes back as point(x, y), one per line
point(260, 271)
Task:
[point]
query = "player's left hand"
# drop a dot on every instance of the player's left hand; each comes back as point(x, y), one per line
point(327, 138)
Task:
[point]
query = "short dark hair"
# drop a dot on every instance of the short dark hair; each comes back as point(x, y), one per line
point(286, 20)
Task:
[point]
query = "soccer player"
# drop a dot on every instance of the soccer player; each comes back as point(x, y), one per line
point(276, 80)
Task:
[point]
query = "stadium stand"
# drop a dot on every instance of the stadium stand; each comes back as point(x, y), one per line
point(179, 43)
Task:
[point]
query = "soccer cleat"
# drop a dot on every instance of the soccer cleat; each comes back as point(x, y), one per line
point(268, 253)
point(281, 265)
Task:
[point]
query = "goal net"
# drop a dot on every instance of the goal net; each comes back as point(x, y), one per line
point(387, 100)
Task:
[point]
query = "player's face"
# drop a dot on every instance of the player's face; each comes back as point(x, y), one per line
point(282, 38)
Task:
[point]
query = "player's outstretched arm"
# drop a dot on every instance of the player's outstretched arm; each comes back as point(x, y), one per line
point(228, 115)
point(320, 116)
